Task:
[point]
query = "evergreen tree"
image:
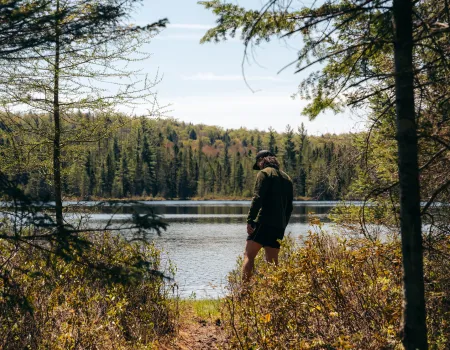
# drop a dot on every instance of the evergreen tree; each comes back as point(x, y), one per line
point(90, 173)
point(138, 178)
point(148, 158)
point(289, 155)
point(193, 135)
point(226, 170)
point(259, 144)
point(219, 177)
point(272, 142)
point(193, 173)
point(124, 177)
point(109, 176)
point(240, 178)
point(300, 180)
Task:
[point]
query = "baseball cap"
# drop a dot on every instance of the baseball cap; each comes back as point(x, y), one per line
point(261, 154)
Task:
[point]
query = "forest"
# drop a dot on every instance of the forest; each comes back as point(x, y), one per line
point(142, 157)
point(375, 275)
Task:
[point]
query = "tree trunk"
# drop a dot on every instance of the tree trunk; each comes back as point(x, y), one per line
point(414, 318)
point(57, 134)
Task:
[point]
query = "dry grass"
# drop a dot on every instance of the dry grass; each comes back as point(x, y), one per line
point(50, 303)
point(333, 293)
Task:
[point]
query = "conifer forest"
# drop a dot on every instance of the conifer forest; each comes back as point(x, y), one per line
point(165, 158)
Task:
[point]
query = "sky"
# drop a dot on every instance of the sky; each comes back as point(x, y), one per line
point(204, 83)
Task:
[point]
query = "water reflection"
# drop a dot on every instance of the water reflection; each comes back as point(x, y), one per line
point(214, 211)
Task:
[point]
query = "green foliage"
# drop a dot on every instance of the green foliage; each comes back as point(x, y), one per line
point(233, 17)
point(48, 302)
point(272, 142)
point(289, 155)
point(332, 292)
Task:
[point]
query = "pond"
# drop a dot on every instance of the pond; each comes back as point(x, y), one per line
point(204, 238)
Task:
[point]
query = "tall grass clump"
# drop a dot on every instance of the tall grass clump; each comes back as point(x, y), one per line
point(331, 292)
point(111, 295)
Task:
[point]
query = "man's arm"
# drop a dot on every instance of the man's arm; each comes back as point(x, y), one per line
point(290, 198)
point(258, 196)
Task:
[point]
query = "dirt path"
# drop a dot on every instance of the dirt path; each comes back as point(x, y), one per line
point(197, 334)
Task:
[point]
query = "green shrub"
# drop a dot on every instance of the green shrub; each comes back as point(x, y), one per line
point(110, 296)
point(331, 292)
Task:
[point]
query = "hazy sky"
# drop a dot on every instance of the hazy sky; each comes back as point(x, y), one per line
point(204, 83)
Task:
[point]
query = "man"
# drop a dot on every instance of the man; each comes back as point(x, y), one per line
point(269, 213)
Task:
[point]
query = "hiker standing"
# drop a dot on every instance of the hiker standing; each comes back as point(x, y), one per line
point(269, 212)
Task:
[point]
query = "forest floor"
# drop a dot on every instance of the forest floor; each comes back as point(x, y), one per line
point(200, 327)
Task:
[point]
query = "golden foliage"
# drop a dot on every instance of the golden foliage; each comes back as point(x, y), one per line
point(72, 305)
point(331, 292)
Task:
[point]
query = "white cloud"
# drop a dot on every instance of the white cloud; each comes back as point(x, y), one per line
point(188, 36)
point(178, 37)
point(228, 77)
point(260, 111)
point(190, 26)
point(252, 111)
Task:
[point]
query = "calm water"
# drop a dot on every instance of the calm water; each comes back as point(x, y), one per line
point(205, 238)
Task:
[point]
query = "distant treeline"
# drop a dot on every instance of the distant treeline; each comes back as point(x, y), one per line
point(143, 157)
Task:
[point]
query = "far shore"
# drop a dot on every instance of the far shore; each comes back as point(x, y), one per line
point(156, 199)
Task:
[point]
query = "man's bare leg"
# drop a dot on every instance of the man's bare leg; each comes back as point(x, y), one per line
point(272, 254)
point(251, 250)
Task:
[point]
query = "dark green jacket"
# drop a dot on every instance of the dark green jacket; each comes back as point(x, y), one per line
point(272, 198)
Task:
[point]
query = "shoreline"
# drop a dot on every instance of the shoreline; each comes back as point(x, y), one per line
point(193, 199)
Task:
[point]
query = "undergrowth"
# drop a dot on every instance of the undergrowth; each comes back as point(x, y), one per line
point(331, 292)
point(110, 297)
